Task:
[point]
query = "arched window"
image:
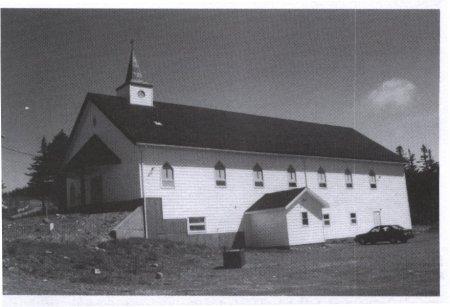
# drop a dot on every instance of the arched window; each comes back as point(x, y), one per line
point(221, 175)
point(292, 177)
point(72, 196)
point(258, 176)
point(322, 178)
point(167, 176)
point(372, 179)
point(348, 179)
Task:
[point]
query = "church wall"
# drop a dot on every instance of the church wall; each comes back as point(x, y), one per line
point(120, 181)
point(195, 193)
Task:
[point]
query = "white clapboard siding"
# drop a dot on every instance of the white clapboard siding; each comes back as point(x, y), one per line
point(303, 234)
point(267, 229)
point(195, 192)
point(120, 181)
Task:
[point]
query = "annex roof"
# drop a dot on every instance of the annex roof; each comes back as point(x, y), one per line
point(183, 125)
point(275, 200)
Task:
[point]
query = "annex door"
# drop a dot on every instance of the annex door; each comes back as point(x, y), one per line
point(377, 218)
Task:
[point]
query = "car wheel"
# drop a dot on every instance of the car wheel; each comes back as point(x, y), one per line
point(393, 240)
point(404, 240)
point(362, 241)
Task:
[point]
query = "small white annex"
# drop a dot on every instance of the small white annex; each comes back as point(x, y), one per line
point(224, 178)
point(274, 219)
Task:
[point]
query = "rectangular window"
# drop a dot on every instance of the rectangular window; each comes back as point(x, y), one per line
point(326, 219)
point(197, 224)
point(322, 178)
point(259, 179)
point(353, 218)
point(305, 221)
point(292, 177)
point(372, 179)
point(220, 177)
point(348, 180)
point(167, 177)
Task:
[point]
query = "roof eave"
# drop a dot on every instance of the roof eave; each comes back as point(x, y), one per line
point(138, 143)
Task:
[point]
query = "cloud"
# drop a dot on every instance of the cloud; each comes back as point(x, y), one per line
point(393, 93)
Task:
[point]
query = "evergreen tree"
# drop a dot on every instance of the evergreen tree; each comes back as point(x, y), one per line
point(47, 181)
point(38, 183)
point(425, 158)
point(423, 187)
point(411, 167)
point(400, 152)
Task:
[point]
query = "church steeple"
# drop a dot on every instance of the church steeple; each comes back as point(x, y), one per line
point(134, 72)
point(135, 89)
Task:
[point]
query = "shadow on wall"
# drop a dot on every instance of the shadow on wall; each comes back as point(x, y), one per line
point(208, 159)
point(171, 229)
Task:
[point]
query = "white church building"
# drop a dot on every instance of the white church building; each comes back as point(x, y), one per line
point(223, 178)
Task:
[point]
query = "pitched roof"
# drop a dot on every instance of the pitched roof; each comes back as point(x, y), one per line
point(93, 152)
point(275, 200)
point(182, 125)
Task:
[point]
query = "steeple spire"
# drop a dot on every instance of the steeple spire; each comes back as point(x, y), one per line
point(134, 72)
point(135, 89)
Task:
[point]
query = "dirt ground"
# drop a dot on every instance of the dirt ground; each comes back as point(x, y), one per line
point(65, 267)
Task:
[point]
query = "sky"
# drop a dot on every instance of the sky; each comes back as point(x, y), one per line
point(374, 70)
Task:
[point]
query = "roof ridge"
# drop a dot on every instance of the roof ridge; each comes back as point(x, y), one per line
point(233, 112)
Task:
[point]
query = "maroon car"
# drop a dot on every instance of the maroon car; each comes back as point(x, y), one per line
point(389, 233)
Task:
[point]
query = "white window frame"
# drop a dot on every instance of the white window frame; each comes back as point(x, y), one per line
point(348, 176)
point(220, 175)
point(292, 177)
point(166, 182)
point(322, 178)
point(353, 219)
point(305, 217)
point(372, 179)
point(258, 176)
point(203, 223)
point(326, 219)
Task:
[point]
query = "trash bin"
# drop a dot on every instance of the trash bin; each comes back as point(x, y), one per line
point(233, 258)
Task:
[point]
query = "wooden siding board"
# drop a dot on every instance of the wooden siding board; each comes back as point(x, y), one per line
point(195, 192)
point(121, 181)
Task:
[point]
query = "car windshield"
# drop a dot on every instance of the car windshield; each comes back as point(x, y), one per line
point(397, 227)
point(376, 229)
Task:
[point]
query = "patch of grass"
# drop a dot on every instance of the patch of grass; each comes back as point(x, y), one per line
point(121, 261)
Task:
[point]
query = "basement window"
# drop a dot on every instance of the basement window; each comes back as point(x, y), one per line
point(326, 219)
point(305, 221)
point(322, 178)
point(258, 176)
point(220, 174)
point(372, 179)
point(353, 218)
point(292, 177)
point(197, 224)
point(348, 179)
point(167, 177)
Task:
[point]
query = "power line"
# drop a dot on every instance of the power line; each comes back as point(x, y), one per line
point(18, 151)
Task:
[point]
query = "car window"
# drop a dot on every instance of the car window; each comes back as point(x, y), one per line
point(376, 229)
point(386, 228)
point(397, 227)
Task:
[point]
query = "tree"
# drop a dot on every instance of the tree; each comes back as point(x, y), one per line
point(399, 150)
point(39, 180)
point(423, 187)
point(47, 181)
point(411, 167)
